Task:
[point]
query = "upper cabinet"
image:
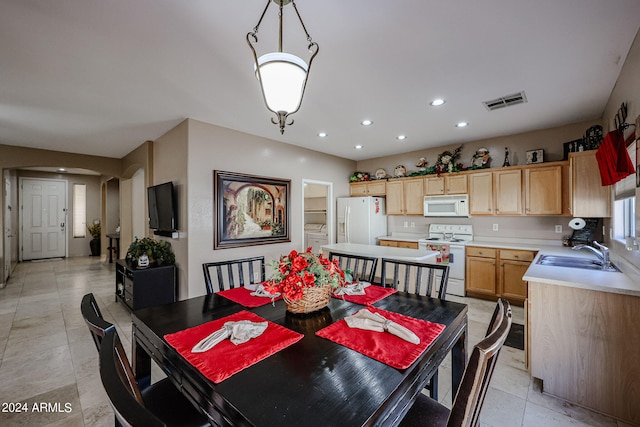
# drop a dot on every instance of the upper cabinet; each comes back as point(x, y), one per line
point(496, 193)
point(519, 190)
point(405, 196)
point(543, 190)
point(367, 188)
point(508, 191)
point(481, 193)
point(447, 184)
point(588, 198)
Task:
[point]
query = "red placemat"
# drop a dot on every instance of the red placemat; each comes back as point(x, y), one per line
point(243, 297)
point(226, 358)
point(383, 346)
point(373, 294)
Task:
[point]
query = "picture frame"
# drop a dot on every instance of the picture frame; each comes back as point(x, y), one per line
point(250, 210)
point(535, 156)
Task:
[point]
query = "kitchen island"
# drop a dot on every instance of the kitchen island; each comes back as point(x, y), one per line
point(583, 341)
point(404, 254)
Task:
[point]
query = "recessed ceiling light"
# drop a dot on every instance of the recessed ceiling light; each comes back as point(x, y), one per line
point(62, 170)
point(401, 137)
point(358, 147)
point(366, 122)
point(322, 134)
point(437, 102)
point(462, 125)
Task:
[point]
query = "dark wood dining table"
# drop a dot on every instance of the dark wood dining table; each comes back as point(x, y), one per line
point(314, 382)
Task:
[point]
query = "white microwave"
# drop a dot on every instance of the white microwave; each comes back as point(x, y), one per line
point(454, 205)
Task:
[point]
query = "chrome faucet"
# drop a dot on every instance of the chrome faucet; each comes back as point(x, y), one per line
point(602, 252)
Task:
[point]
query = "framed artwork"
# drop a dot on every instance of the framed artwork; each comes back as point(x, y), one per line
point(535, 156)
point(250, 210)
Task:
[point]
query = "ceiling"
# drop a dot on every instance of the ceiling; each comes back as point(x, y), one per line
point(101, 77)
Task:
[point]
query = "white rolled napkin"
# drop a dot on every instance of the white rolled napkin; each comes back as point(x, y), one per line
point(260, 291)
point(238, 332)
point(356, 288)
point(365, 319)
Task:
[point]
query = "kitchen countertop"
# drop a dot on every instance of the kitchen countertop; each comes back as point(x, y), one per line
point(627, 282)
point(405, 254)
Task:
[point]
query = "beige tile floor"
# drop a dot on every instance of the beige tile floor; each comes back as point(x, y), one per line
point(47, 356)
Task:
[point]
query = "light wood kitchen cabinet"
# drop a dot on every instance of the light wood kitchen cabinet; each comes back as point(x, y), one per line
point(399, 244)
point(512, 266)
point(508, 191)
point(493, 273)
point(405, 196)
point(588, 198)
point(480, 271)
point(447, 184)
point(543, 190)
point(481, 193)
point(496, 193)
point(368, 188)
point(584, 347)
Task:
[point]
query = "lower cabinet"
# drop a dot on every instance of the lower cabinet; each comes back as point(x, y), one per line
point(399, 244)
point(493, 273)
point(141, 288)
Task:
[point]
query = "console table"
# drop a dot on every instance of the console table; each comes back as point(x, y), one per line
point(141, 288)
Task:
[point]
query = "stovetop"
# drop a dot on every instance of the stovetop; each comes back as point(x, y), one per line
point(449, 233)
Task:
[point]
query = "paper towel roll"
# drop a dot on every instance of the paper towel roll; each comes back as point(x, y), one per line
point(577, 223)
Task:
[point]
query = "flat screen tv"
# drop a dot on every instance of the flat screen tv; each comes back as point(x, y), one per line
point(162, 208)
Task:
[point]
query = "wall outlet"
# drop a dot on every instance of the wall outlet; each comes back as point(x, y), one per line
point(495, 227)
point(413, 224)
point(406, 224)
point(558, 228)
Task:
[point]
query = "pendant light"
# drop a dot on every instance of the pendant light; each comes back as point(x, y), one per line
point(282, 76)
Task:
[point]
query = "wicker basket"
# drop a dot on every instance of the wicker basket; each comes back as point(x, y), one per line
point(314, 299)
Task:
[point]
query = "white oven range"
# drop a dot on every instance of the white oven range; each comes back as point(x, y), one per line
point(456, 236)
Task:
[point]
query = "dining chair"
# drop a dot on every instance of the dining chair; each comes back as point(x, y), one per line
point(465, 411)
point(160, 404)
point(362, 267)
point(94, 320)
point(409, 276)
point(233, 273)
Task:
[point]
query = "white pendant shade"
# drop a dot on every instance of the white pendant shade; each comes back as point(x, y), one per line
point(283, 77)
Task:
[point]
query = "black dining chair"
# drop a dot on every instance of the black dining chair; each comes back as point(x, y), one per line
point(362, 267)
point(409, 276)
point(160, 404)
point(233, 273)
point(465, 411)
point(94, 320)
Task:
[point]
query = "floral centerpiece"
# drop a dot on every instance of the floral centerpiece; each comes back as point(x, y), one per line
point(306, 280)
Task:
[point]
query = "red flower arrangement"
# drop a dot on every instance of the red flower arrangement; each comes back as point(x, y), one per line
point(296, 271)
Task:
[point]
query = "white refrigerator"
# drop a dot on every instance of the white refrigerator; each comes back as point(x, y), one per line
point(361, 220)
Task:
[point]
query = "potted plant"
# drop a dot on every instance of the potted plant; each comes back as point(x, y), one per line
point(94, 244)
point(266, 224)
point(147, 252)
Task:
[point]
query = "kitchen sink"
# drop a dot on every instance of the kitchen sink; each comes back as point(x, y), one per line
point(573, 262)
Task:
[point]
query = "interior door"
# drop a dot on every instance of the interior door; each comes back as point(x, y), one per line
point(8, 233)
point(43, 220)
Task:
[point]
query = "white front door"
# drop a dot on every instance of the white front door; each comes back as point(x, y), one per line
point(43, 219)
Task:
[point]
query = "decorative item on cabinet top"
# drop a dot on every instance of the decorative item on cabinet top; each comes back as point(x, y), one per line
point(481, 159)
point(535, 156)
point(400, 171)
point(359, 176)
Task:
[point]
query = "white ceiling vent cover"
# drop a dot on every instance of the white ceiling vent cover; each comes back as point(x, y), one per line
point(505, 101)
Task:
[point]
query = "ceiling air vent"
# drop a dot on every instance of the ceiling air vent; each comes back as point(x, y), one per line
point(505, 101)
